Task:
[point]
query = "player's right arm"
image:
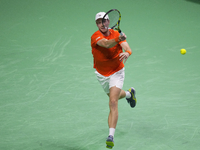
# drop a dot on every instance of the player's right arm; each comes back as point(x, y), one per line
point(112, 42)
point(107, 43)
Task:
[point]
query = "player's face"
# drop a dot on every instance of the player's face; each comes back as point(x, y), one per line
point(103, 27)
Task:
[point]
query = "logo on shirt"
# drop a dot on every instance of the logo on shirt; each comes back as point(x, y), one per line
point(97, 38)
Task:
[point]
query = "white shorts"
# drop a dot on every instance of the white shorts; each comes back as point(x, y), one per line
point(116, 79)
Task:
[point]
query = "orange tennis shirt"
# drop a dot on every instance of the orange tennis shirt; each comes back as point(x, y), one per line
point(106, 60)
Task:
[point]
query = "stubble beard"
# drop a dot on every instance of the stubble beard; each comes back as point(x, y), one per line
point(104, 32)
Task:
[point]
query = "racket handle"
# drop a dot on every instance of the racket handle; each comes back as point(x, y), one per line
point(120, 32)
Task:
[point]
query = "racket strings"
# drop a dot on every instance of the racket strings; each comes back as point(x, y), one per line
point(113, 17)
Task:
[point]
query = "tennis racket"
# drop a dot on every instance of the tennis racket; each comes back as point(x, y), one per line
point(114, 17)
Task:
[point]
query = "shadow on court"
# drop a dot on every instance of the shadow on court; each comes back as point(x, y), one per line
point(194, 1)
point(64, 146)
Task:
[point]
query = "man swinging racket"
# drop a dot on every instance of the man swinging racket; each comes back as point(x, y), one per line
point(107, 49)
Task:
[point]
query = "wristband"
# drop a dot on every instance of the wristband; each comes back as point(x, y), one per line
point(129, 52)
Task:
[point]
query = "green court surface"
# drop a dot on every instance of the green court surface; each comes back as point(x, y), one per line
point(50, 98)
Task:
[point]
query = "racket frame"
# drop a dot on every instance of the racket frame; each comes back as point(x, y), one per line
point(116, 26)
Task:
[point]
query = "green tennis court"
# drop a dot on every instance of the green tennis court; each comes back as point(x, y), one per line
point(50, 98)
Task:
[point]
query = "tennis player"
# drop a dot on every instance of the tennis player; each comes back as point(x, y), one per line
point(109, 58)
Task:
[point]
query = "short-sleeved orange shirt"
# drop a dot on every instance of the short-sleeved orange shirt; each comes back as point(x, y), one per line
point(106, 60)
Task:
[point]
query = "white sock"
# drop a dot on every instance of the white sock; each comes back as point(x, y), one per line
point(112, 131)
point(128, 94)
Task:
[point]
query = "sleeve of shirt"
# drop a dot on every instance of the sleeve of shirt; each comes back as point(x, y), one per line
point(95, 38)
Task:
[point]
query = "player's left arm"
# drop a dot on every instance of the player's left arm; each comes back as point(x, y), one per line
point(124, 56)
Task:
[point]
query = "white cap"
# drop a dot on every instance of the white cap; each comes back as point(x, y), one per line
point(100, 15)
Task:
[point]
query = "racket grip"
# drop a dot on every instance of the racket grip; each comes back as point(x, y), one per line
point(120, 32)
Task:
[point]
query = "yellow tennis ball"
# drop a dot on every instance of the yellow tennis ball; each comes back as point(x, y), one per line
point(183, 51)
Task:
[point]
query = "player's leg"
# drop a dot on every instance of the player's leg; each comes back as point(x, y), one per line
point(130, 96)
point(122, 94)
point(113, 114)
point(113, 105)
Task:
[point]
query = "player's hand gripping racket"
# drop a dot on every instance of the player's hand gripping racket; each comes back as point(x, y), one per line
point(114, 17)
